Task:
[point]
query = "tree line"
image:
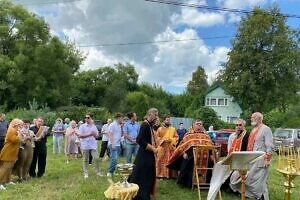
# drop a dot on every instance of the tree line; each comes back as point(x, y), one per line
point(262, 72)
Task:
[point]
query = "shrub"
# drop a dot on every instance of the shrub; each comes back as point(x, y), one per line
point(289, 119)
point(22, 113)
point(78, 112)
point(274, 118)
point(209, 117)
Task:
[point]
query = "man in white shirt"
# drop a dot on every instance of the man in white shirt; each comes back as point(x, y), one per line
point(88, 133)
point(104, 142)
point(114, 142)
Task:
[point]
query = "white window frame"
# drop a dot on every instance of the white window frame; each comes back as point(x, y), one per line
point(231, 119)
point(215, 99)
point(209, 101)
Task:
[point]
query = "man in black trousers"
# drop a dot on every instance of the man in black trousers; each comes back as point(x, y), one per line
point(40, 149)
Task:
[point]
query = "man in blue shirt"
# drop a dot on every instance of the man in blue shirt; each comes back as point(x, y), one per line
point(131, 129)
point(181, 132)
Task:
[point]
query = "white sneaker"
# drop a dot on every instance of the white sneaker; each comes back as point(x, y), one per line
point(99, 174)
point(2, 187)
point(11, 183)
point(86, 176)
point(109, 174)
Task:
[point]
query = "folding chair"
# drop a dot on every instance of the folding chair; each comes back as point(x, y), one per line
point(201, 153)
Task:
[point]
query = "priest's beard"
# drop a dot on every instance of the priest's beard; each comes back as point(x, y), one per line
point(254, 124)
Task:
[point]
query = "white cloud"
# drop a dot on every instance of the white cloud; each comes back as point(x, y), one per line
point(96, 59)
point(234, 18)
point(217, 57)
point(193, 17)
point(197, 2)
point(110, 22)
point(241, 3)
point(238, 4)
point(175, 62)
point(76, 33)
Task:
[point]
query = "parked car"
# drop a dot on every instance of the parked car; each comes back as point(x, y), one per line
point(99, 124)
point(221, 139)
point(286, 137)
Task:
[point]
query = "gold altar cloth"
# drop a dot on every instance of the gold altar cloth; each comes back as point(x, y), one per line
point(116, 191)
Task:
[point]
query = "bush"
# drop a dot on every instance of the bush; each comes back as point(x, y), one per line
point(22, 113)
point(209, 117)
point(289, 119)
point(77, 113)
point(137, 102)
point(274, 118)
point(74, 113)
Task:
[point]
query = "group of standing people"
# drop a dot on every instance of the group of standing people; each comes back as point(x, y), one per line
point(158, 156)
point(69, 131)
point(161, 156)
point(259, 139)
point(161, 151)
point(128, 129)
point(112, 132)
point(23, 148)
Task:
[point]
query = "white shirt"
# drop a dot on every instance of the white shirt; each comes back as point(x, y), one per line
point(90, 142)
point(115, 130)
point(104, 130)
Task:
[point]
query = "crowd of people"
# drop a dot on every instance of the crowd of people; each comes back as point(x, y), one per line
point(24, 146)
point(160, 151)
point(161, 156)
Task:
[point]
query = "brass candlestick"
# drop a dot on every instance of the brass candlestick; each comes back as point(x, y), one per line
point(125, 170)
point(289, 166)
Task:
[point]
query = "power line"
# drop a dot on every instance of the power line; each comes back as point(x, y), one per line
point(215, 8)
point(223, 9)
point(153, 42)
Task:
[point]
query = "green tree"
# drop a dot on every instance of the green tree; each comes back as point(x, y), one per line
point(262, 72)
point(158, 98)
point(106, 86)
point(89, 87)
point(77, 113)
point(289, 119)
point(198, 84)
point(196, 89)
point(180, 103)
point(124, 80)
point(208, 117)
point(136, 102)
point(34, 63)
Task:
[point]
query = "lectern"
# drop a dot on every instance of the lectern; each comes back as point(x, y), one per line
point(241, 161)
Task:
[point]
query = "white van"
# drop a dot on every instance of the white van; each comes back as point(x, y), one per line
point(286, 137)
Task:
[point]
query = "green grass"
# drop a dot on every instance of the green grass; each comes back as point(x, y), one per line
point(65, 181)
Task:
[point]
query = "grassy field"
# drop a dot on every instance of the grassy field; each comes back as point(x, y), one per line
point(65, 181)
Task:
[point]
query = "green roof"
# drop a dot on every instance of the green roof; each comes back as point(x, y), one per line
point(213, 88)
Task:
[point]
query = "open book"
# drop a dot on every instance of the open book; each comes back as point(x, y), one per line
point(240, 160)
